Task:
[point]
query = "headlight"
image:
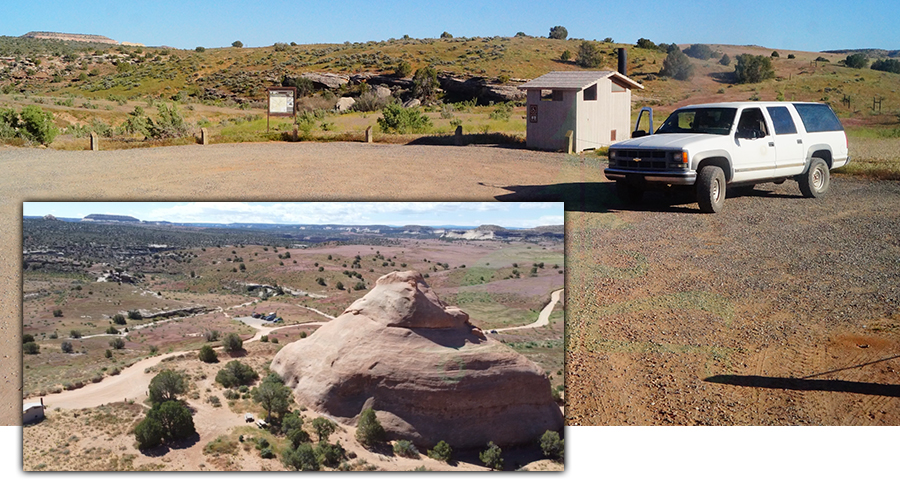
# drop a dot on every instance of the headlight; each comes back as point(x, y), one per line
point(612, 154)
point(679, 157)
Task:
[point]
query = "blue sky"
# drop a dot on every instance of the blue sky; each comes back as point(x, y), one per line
point(797, 25)
point(522, 215)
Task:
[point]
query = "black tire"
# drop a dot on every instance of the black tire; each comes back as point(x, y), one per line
point(816, 180)
point(711, 189)
point(629, 193)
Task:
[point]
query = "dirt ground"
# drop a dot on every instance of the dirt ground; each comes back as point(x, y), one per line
point(779, 311)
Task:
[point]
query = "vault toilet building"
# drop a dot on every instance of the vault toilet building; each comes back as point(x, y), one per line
point(594, 105)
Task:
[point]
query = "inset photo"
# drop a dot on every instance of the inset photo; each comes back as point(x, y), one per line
point(251, 336)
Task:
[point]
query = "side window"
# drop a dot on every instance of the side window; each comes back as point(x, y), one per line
point(752, 124)
point(590, 93)
point(781, 120)
point(818, 117)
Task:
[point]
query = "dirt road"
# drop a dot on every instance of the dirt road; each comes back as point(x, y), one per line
point(543, 317)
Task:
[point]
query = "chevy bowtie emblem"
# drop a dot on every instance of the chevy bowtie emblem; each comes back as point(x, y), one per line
point(637, 159)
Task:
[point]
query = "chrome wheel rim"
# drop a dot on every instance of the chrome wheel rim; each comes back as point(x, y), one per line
point(715, 190)
point(818, 179)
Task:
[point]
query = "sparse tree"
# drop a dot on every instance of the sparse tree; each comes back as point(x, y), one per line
point(441, 451)
point(775, 54)
point(236, 374)
point(232, 342)
point(725, 60)
point(425, 83)
point(117, 343)
point(492, 456)
point(174, 418)
point(753, 69)
point(66, 347)
point(589, 55)
point(57, 313)
point(857, 61)
point(552, 446)
point(323, 427)
point(558, 33)
point(31, 348)
point(303, 457)
point(166, 386)
point(369, 431)
point(644, 43)
point(237, 44)
point(208, 354)
point(273, 396)
point(446, 35)
point(699, 51)
point(677, 66)
point(149, 433)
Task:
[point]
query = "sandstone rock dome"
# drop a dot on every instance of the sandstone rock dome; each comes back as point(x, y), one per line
point(426, 371)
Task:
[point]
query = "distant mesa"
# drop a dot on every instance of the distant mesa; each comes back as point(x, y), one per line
point(51, 35)
point(109, 218)
point(428, 373)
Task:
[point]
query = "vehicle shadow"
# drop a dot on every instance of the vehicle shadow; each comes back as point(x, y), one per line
point(797, 384)
point(600, 197)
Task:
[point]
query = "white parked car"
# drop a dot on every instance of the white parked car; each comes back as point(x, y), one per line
point(712, 146)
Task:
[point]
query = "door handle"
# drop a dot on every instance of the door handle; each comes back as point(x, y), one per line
point(799, 141)
point(771, 144)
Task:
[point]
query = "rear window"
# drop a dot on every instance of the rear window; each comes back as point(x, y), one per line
point(818, 118)
point(781, 120)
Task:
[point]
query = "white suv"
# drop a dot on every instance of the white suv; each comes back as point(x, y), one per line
point(712, 146)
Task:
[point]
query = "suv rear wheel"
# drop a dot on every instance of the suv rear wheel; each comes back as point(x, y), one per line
point(711, 189)
point(814, 183)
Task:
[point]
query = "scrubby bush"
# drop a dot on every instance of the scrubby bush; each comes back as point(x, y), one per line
point(699, 51)
point(775, 54)
point(889, 65)
point(273, 396)
point(66, 347)
point(135, 314)
point(425, 83)
point(236, 374)
point(329, 455)
point(492, 457)
point(589, 55)
point(677, 66)
point(149, 433)
point(323, 427)
point(403, 69)
point(552, 446)
point(57, 313)
point(212, 335)
point(753, 69)
point(441, 451)
point(237, 43)
point(558, 33)
point(396, 119)
point(112, 330)
point(31, 124)
point(31, 348)
point(369, 431)
point(208, 354)
point(725, 60)
point(232, 342)
point(26, 338)
point(303, 457)
point(166, 386)
point(117, 343)
point(644, 43)
point(566, 55)
point(406, 449)
point(858, 61)
point(169, 125)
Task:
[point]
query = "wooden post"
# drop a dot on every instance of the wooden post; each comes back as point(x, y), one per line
point(569, 136)
point(369, 138)
point(204, 136)
point(95, 142)
point(296, 132)
point(458, 136)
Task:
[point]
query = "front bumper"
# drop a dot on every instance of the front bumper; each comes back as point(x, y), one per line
point(673, 177)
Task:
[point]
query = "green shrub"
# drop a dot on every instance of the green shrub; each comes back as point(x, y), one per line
point(117, 343)
point(566, 55)
point(66, 347)
point(441, 451)
point(725, 60)
point(699, 51)
point(26, 338)
point(57, 313)
point(237, 44)
point(232, 342)
point(323, 427)
point(589, 55)
point(166, 386)
point(369, 431)
point(329, 455)
point(208, 354)
point(273, 395)
point(857, 61)
point(266, 453)
point(406, 449)
point(303, 457)
point(236, 374)
point(31, 348)
point(134, 314)
point(170, 123)
point(425, 83)
point(644, 43)
point(399, 120)
point(149, 433)
point(175, 418)
point(552, 446)
point(753, 69)
point(492, 457)
point(558, 33)
point(32, 124)
point(889, 65)
point(676, 65)
point(403, 69)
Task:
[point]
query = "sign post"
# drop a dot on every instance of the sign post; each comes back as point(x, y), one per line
point(280, 102)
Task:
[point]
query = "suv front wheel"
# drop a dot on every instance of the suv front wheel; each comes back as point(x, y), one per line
point(711, 189)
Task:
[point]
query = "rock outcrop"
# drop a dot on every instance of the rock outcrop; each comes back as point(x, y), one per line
point(426, 371)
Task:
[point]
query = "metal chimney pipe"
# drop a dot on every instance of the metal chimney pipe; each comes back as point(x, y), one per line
point(623, 62)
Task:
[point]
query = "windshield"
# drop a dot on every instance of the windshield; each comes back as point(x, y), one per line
point(699, 121)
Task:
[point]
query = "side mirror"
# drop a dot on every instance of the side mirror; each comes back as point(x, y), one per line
point(638, 133)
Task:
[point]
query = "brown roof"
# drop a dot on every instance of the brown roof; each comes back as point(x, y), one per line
point(577, 80)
